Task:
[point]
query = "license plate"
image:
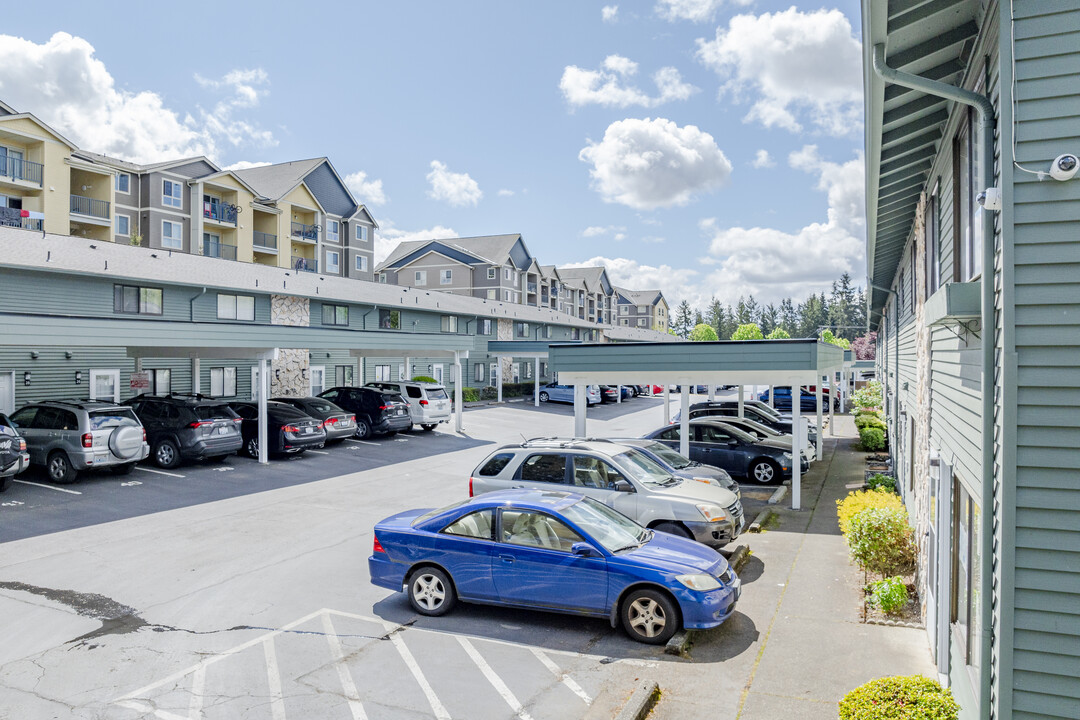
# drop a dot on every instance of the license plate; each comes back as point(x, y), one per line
point(308, 431)
point(401, 411)
point(222, 430)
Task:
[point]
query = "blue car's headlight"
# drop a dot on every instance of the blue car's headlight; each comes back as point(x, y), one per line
point(699, 581)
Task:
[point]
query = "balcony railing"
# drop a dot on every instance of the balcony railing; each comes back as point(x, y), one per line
point(303, 264)
point(90, 207)
point(218, 250)
point(222, 212)
point(531, 287)
point(19, 169)
point(306, 232)
point(263, 241)
point(21, 222)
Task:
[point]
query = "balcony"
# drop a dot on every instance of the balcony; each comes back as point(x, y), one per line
point(306, 233)
point(224, 213)
point(303, 264)
point(264, 242)
point(531, 288)
point(24, 170)
point(90, 207)
point(22, 222)
point(219, 250)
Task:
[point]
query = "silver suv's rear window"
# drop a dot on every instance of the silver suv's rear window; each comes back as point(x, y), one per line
point(495, 465)
point(437, 394)
point(113, 417)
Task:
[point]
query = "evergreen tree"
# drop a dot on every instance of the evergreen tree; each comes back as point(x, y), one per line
point(789, 317)
point(812, 315)
point(753, 310)
point(770, 318)
point(742, 317)
point(842, 310)
point(683, 320)
point(698, 319)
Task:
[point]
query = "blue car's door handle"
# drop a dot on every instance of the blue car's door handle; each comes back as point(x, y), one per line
point(508, 559)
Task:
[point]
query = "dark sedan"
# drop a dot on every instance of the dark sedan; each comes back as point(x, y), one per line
point(337, 423)
point(288, 430)
point(728, 448)
point(681, 465)
point(720, 409)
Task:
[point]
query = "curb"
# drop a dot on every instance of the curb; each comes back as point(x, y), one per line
point(739, 557)
point(679, 644)
point(641, 702)
point(779, 494)
point(761, 519)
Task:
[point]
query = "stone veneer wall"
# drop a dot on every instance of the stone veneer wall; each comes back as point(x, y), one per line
point(288, 374)
point(504, 330)
point(919, 411)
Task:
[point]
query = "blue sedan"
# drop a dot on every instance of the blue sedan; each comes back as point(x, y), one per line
point(553, 551)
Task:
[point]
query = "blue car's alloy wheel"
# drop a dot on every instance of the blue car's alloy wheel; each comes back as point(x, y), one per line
point(650, 617)
point(430, 592)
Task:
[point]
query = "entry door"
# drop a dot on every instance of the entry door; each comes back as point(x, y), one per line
point(438, 370)
point(493, 376)
point(317, 375)
point(105, 385)
point(7, 392)
point(932, 561)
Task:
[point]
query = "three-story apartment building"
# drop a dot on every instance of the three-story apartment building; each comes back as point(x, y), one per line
point(641, 308)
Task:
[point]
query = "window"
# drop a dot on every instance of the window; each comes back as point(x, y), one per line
point(547, 332)
point(449, 323)
point(477, 524)
point(123, 225)
point(361, 233)
point(104, 385)
point(160, 381)
point(575, 333)
point(235, 307)
point(624, 309)
point(335, 314)
point(343, 375)
point(390, 320)
point(172, 235)
point(382, 373)
point(446, 277)
point(382, 278)
point(969, 239)
point(543, 369)
point(527, 369)
point(223, 382)
point(123, 182)
point(478, 372)
point(546, 468)
point(523, 330)
point(333, 261)
point(361, 263)
point(420, 277)
point(483, 326)
point(966, 573)
point(333, 231)
point(900, 293)
point(495, 465)
point(933, 240)
point(533, 529)
point(317, 379)
point(172, 193)
point(507, 295)
point(134, 300)
point(492, 294)
point(493, 375)
point(492, 273)
point(506, 273)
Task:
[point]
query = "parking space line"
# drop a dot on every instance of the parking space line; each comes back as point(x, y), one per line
point(318, 452)
point(433, 700)
point(347, 683)
point(494, 679)
point(198, 684)
point(362, 442)
point(145, 708)
point(558, 672)
point(159, 472)
point(49, 487)
point(273, 677)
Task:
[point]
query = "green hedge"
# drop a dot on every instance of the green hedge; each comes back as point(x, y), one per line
point(469, 394)
point(424, 378)
point(872, 438)
point(881, 540)
point(912, 697)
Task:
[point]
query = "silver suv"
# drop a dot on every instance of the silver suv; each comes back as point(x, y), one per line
point(429, 404)
point(621, 477)
point(67, 436)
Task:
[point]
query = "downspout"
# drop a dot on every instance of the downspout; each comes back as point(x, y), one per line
point(985, 109)
point(191, 304)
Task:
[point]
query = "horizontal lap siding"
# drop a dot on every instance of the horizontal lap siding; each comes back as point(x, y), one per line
point(955, 417)
point(1046, 638)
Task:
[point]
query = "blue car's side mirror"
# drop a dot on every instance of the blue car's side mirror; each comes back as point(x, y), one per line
point(583, 549)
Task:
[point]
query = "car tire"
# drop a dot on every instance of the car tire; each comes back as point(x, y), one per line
point(544, 397)
point(649, 616)
point(59, 468)
point(166, 454)
point(363, 430)
point(673, 528)
point(764, 472)
point(251, 447)
point(431, 592)
point(124, 469)
point(5, 482)
point(429, 427)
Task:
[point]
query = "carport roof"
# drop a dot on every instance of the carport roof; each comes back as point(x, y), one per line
point(521, 348)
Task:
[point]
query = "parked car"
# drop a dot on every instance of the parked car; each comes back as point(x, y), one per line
point(14, 457)
point(729, 408)
point(681, 465)
point(429, 404)
point(69, 436)
point(807, 399)
point(378, 412)
point(610, 393)
point(337, 423)
point(554, 392)
point(559, 552)
point(723, 446)
point(187, 427)
point(288, 430)
point(763, 432)
point(619, 476)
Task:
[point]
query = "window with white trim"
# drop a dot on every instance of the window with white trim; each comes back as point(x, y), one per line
point(492, 273)
point(160, 381)
point(446, 277)
point(507, 273)
point(382, 278)
point(478, 372)
point(172, 235)
point(223, 382)
point(361, 233)
point(235, 307)
point(123, 182)
point(420, 277)
point(333, 230)
point(382, 373)
point(933, 242)
point(507, 295)
point(361, 263)
point(449, 323)
point(333, 261)
point(483, 326)
point(123, 225)
point(492, 294)
point(172, 193)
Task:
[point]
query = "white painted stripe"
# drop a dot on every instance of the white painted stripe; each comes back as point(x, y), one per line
point(273, 676)
point(144, 708)
point(347, 683)
point(494, 679)
point(158, 472)
point(198, 685)
point(566, 679)
point(49, 487)
point(318, 452)
point(362, 442)
point(406, 655)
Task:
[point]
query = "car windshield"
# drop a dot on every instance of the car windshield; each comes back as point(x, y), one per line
point(611, 529)
point(321, 406)
point(111, 418)
point(668, 455)
point(643, 468)
point(763, 429)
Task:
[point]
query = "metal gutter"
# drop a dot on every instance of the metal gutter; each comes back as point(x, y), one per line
point(985, 109)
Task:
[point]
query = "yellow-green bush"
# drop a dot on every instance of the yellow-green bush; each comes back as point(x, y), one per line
point(911, 697)
point(881, 540)
point(872, 439)
point(862, 499)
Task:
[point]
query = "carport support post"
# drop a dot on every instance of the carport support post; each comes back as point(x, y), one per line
point(579, 410)
point(667, 406)
point(821, 434)
point(498, 378)
point(459, 380)
point(832, 399)
point(536, 381)
point(618, 394)
point(796, 452)
point(772, 396)
point(196, 376)
point(740, 401)
point(263, 391)
point(684, 420)
point(712, 395)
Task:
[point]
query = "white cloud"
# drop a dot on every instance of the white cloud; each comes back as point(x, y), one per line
point(599, 230)
point(763, 160)
point(649, 164)
point(368, 192)
point(388, 237)
point(693, 10)
point(504, 192)
point(457, 189)
point(63, 83)
point(609, 86)
point(609, 13)
point(653, 240)
point(246, 165)
point(799, 66)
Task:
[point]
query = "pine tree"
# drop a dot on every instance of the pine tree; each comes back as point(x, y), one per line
point(789, 317)
point(683, 321)
point(770, 318)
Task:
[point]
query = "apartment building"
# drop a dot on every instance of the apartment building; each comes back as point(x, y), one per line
point(591, 291)
point(974, 276)
point(641, 308)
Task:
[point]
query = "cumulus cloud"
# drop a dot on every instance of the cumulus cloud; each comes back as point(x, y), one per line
point(389, 236)
point(693, 10)
point(600, 230)
point(609, 13)
point(610, 86)
point(62, 82)
point(456, 189)
point(368, 192)
point(799, 67)
point(246, 165)
point(648, 164)
point(763, 160)
point(505, 192)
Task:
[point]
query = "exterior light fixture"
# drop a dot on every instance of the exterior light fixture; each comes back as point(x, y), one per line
point(33, 354)
point(26, 378)
point(67, 354)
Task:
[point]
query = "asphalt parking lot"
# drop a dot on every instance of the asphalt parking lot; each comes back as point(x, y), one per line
point(244, 593)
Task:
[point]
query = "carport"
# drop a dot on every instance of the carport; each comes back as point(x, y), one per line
point(753, 362)
point(535, 350)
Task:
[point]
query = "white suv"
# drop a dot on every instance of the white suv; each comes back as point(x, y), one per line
point(621, 477)
point(429, 404)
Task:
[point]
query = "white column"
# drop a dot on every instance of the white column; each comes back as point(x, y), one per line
point(618, 394)
point(684, 420)
point(821, 434)
point(197, 218)
point(667, 406)
point(196, 376)
point(498, 377)
point(796, 452)
point(832, 396)
point(712, 392)
point(580, 404)
point(536, 381)
point(408, 370)
point(264, 390)
point(740, 401)
point(772, 396)
point(459, 380)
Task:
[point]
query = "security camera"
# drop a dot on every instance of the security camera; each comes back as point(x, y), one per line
point(1064, 167)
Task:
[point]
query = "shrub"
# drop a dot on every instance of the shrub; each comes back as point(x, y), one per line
point(872, 439)
point(748, 331)
point(880, 540)
point(488, 393)
point(424, 378)
point(469, 394)
point(899, 698)
point(868, 396)
point(869, 420)
point(881, 481)
point(860, 500)
point(889, 595)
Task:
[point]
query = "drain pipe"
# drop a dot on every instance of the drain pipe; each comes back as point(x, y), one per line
point(985, 109)
point(191, 305)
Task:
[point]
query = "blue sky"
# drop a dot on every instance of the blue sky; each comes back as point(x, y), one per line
point(489, 117)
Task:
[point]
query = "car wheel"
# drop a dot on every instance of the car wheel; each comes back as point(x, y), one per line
point(59, 469)
point(649, 616)
point(124, 469)
point(430, 592)
point(673, 528)
point(251, 447)
point(166, 454)
point(428, 427)
point(544, 397)
point(764, 472)
point(363, 430)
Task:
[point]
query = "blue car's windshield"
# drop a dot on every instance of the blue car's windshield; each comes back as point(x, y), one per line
point(611, 529)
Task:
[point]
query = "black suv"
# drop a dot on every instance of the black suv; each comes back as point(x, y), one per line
point(187, 427)
point(288, 429)
point(377, 412)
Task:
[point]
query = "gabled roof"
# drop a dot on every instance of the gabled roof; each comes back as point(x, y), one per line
point(37, 121)
point(8, 110)
point(277, 181)
point(362, 213)
point(410, 250)
point(499, 249)
point(232, 174)
point(168, 164)
point(640, 297)
point(595, 278)
point(99, 159)
point(549, 271)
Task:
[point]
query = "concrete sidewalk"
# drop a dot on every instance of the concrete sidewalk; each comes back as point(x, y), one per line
point(812, 647)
